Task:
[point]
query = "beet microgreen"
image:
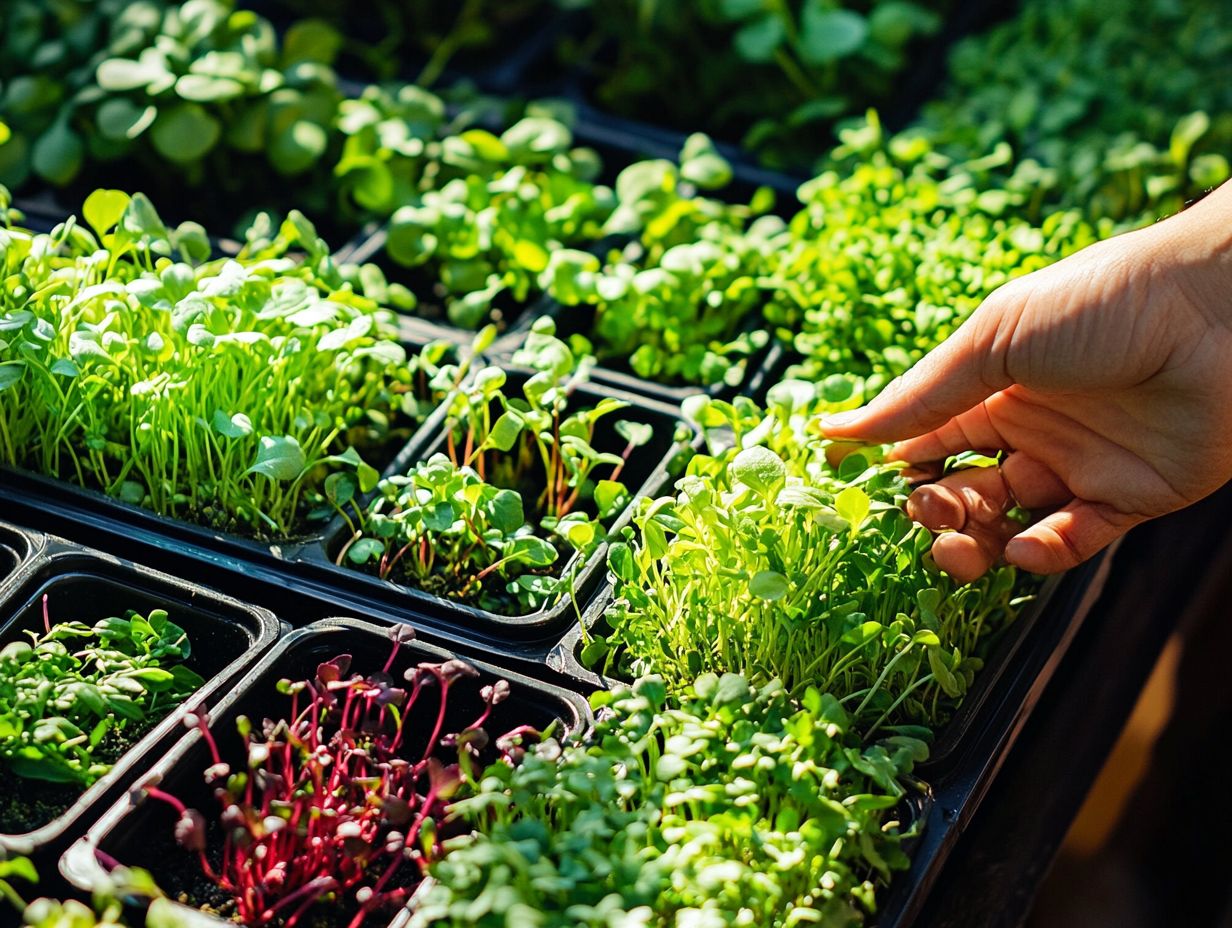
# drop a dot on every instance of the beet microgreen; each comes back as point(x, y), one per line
point(457, 524)
point(481, 239)
point(888, 257)
point(69, 695)
point(222, 392)
point(340, 800)
point(730, 804)
point(772, 562)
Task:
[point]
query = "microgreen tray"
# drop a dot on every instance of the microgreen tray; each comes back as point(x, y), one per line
point(646, 475)
point(83, 585)
point(141, 833)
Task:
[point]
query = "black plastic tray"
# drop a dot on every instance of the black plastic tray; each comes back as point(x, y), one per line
point(140, 833)
point(87, 586)
point(17, 546)
point(960, 789)
point(646, 474)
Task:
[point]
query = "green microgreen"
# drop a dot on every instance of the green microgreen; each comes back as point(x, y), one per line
point(518, 478)
point(1120, 108)
point(220, 391)
point(480, 240)
point(70, 693)
point(889, 255)
point(727, 804)
point(672, 304)
point(772, 561)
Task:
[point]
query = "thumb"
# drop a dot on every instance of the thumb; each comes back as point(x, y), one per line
point(964, 370)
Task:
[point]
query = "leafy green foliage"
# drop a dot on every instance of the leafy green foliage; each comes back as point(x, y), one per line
point(481, 239)
point(48, 52)
point(890, 254)
point(1121, 108)
point(731, 804)
point(456, 524)
point(774, 75)
point(772, 561)
point(425, 34)
point(672, 303)
point(63, 693)
point(222, 391)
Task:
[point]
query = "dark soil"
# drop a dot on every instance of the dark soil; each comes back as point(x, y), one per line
point(27, 804)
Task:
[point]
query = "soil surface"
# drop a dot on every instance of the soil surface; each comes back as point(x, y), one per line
point(27, 804)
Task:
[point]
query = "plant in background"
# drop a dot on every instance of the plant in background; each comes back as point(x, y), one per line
point(1119, 108)
point(70, 697)
point(773, 75)
point(890, 254)
point(341, 800)
point(222, 392)
point(729, 804)
point(420, 35)
point(48, 53)
point(671, 304)
point(193, 89)
point(772, 562)
point(457, 524)
point(480, 240)
point(391, 147)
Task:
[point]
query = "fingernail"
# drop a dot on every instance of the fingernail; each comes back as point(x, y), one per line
point(1016, 548)
point(840, 420)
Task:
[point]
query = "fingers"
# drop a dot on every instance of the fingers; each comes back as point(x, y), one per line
point(970, 431)
point(966, 369)
point(970, 508)
point(1068, 537)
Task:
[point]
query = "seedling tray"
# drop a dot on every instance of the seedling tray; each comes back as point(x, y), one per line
point(646, 474)
point(140, 833)
point(86, 586)
point(210, 542)
point(16, 547)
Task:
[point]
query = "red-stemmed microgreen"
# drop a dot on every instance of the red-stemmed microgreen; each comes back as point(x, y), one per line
point(342, 799)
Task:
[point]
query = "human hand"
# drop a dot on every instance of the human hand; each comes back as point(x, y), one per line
point(1107, 380)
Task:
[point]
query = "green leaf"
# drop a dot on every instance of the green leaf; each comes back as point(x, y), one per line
point(11, 373)
point(121, 119)
point(103, 209)
point(759, 469)
point(505, 512)
point(635, 433)
point(505, 431)
point(279, 458)
point(58, 154)
point(852, 504)
point(769, 585)
point(610, 497)
point(759, 40)
point(236, 426)
point(185, 133)
point(827, 34)
point(365, 550)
